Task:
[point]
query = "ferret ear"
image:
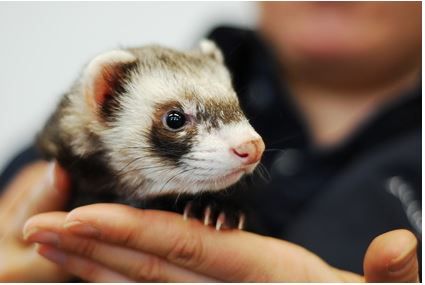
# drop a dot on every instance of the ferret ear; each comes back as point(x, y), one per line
point(105, 76)
point(209, 48)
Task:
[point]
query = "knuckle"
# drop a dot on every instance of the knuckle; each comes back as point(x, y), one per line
point(187, 250)
point(129, 237)
point(149, 270)
point(86, 248)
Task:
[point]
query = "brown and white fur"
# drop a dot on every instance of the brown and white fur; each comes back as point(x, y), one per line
point(109, 131)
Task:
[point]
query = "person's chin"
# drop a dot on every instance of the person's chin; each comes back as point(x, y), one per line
point(324, 49)
point(327, 40)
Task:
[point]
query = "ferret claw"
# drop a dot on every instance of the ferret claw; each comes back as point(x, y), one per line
point(241, 221)
point(207, 215)
point(186, 211)
point(220, 221)
point(222, 218)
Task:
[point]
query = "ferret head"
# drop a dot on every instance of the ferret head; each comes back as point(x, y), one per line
point(167, 121)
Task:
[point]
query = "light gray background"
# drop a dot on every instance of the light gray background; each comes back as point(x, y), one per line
point(43, 47)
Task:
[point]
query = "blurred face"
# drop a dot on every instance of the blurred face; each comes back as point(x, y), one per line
point(356, 33)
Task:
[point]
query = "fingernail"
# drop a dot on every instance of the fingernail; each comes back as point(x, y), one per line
point(53, 254)
point(56, 176)
point(51, 174)
point(83, 229)
point(43, 237)
point(26, 233)
point(402, 262)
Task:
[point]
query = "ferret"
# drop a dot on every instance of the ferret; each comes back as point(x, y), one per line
point(151, 122)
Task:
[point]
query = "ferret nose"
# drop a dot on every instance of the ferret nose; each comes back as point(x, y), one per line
point(249, 152)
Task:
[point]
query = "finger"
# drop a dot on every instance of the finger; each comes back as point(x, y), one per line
point(84, 268)
point(130, 262)
point(48, 229)
point(392, 257)
point(17, 189)
point(229, 255)
point(52, 193)
point(51, 222)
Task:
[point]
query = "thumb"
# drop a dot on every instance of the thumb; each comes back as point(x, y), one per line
point(41, 187)
point(392, 257)
point(52, 193)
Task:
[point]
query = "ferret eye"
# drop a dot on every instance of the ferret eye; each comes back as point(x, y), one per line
point(174, 120)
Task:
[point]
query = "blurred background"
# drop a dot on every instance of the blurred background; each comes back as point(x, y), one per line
point(45, 45)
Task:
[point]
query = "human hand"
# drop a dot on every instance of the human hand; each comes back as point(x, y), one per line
point(109, 242)
point(39, 187)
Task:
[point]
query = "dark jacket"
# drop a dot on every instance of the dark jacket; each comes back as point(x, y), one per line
point(333, 201)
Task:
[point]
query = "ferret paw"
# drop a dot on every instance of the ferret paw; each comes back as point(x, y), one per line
point(221, 218)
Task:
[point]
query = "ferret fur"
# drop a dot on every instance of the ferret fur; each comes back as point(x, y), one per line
point(108, 133)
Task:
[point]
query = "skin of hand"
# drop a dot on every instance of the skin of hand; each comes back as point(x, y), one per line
point(37, 188)
point(117, 243)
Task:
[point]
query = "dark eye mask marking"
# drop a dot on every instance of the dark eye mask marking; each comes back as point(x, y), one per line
point(172, 146)
point(167, 144)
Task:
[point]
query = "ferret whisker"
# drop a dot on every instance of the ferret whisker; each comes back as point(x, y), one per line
point(125, 170)
point(252, 178)
point(207, 171)
point(196, 159)
point(128, 164)
point(177, 199)
point(262, 172)
point(173, 177)
point(156, 168)
point(275, 149)
point(142, 181)
point(243, 181)
point(221, 169)
point(264, 169)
